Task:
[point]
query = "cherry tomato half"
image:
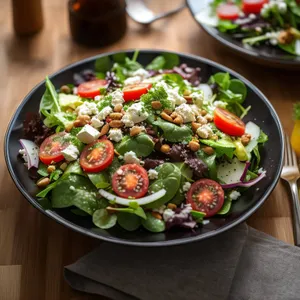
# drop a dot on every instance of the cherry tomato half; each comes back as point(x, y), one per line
point(50, 149)
point(135, 91)
point(207, 196)
point(91, 89)
point(228, 11)
point(97, 156)
point(130, 181)
point(228, 122)
point(253, 6)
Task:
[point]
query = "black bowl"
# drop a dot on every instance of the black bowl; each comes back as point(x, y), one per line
point(262, 113)
point(264, 54)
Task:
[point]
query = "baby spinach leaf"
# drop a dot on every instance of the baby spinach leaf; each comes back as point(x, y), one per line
point(128, 221)
point(238, 87)
point(55, 174)
point(142, 145)
point(230, 97)
point(49, 100)
point(42, 170)
point(131, 64)
point(221, 79)
point(174, 133)
point(115, 165)
point(44, 192)
point(210, 161)
point(103, 64)
point(180, 195)
point(104, 220)
point(99, 180)
point(226, 25)
point(168, 178)
point(226, 207)
point(119, 57)
point(185, 171)
point(131, 210)
point(263, 138)
point(290, 48)
point(221, 146)
point(197, 215)
point(75, 190)
point(172, 60)
point(74, 168)
point(157, 63)
point(152, 224)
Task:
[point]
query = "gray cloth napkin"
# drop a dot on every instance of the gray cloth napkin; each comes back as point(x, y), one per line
point(239, 264)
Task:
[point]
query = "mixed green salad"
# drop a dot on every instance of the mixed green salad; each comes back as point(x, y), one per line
point(143, 146)
point(272, 22)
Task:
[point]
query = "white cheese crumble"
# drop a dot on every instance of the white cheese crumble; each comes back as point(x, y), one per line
point(132, 80)
point(131, 158)
point(152, 174)
point(136, 113)
point(186, 112)
point(88, 134)
point(96, 123)
point(186, 186)
point(115, 134)
point(168, 214)
point(126, 119)
point(160, 210)
point(87, 108)
point(104, 113)
point(173, 95)
point(98, 98)
point(142, 73)
point(234, 195)
point(220, 104)
point(205, 131)
point(198, 98)
point(117, 97)
point(71, 153)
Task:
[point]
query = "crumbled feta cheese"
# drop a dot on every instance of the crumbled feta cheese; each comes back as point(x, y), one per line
point(24, 155)
point(117, 97)
point(160, 210)
point(104, 113)
point(72, 188)
point(198, 98)
point(168, 214)
point(132, 80)
point(260, 171)
point(220, 104)
point(127, 120)
point(186, 112)
point(70, 153)
point(88, 134)
point(142, 73)
point(201, 120)
point(205, 131)
point(273, 42)
point(186, 186)
point(115, 134)
point(152, 174)
point(96, 123)
point(153, 79)
point(234, 195)
point(136, 113)
point(131, 158)
point(87, 108)
point(173, 95)
point(75, 91)
point(195, 109)
point(98, 98)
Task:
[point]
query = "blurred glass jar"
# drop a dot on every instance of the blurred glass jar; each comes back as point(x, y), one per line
point(97, 22)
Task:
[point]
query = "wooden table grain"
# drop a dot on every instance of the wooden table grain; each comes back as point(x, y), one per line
point(33, 248)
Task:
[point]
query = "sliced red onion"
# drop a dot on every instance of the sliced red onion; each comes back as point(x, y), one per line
point(32, 152)
point(247, 165)
point(244, 184)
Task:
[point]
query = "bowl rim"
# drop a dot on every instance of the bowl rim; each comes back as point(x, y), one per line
point(179, 241)
point(243, 51)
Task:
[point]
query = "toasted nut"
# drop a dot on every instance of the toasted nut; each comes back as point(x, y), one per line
point(167, 111)
point(208, 150)
point(166, 117)
point(195, 126)
point(69, 127)
point(188, 99)
point(172, 206)
point(77, 123)
point(209, 118)
point(156, 105)
point(43, 182)
point(214, 137)
point(51, 169)
point(203, 112)
point(69, 110)
point(63, 166)
point(174, 114)
point(156, 215)
point(285, 37)
point(201, 120)
point(165, 148)
point(118, 107)
point(194, 146)
point(104, 129)
point(65, 89)
point(245, 139)
point(82, 120)
point(116, 124)
point(178, 120)
point(135, 130)
point(116, 116)
point(186, 93)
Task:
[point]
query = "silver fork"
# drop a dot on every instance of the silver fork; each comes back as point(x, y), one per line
point(290, 173)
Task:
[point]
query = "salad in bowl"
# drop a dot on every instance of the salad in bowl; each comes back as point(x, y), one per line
point(138, 146)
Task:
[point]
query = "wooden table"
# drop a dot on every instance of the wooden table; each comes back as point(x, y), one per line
point(33, 248)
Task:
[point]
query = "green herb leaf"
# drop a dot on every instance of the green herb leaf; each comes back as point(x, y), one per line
point(100, 180)
point(221, 146)
point(42, 170)
point(129, 221)
point(226, 25)
point(119, 57)
point(172, 60)
point(49, 100)
point(226, 207)
point(104, 220)
point(152, 224)
point(263, 138)
point(156, 94)
point(103, 64)
point(238, 87)
point(210, 161)
point(55, 174)
point(157, 63)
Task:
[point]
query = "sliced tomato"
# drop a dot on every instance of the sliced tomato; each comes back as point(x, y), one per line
point(97, 156)
point(135, 91)
point(207, 196)
point(228, 122)
point(253, 6)
point(91, 89)
point(130, 181)
point(51, 148)
point(228, 11)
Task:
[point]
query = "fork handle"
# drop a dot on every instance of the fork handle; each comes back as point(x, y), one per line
point(296, 212)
